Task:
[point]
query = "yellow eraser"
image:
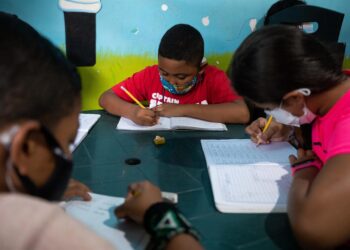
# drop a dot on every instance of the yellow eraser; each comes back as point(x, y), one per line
point(158, 140)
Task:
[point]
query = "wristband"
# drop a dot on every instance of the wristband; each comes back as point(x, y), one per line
point(306, 164)
point(163, 221)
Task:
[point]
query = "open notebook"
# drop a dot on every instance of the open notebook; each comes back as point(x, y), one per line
point(98, 215)
point(246, 178)
point(86, 121)
point(172, 123)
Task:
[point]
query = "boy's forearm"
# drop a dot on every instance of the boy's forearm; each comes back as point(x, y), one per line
point(235, 112)
point(116, 106)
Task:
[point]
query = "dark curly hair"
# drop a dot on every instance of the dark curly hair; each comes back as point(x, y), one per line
point(36, 80)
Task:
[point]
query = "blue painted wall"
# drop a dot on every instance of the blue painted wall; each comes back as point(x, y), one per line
point(135, 27)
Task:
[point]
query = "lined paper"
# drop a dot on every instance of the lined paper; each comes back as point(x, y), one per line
point(98, 215)
point(246, 178)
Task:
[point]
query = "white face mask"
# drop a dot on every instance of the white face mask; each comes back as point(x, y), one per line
point(284, 117)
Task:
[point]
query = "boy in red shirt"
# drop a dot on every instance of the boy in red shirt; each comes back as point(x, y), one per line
point(181, 77)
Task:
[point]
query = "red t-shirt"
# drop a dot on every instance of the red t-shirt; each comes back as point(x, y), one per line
point(215, 87)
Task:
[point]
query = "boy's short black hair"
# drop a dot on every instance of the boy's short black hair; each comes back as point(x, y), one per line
point(281, 5)
point(36, 81)
point(182, 42)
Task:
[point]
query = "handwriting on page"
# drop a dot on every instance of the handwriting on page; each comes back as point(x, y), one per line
point(246, 178)
point(244, 152)
point(253, 184)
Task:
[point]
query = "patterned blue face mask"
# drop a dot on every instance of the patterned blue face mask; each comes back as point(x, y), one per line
point(178, 89)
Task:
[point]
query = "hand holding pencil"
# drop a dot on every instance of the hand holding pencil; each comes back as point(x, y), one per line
point(267, 124)
point(142, 116)
point(140, 197)
point(263, 131)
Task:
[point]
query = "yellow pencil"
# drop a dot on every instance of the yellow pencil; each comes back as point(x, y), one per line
point(132, 97)
point(267, 124)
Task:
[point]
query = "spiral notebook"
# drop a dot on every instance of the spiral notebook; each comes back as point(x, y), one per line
point(246, 178)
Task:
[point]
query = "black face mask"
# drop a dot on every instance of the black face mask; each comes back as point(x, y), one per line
point(57, 183)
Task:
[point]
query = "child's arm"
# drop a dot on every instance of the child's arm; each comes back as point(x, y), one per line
point(117, 106)
point(319, 204)
point(231, 112)
point(144, 205)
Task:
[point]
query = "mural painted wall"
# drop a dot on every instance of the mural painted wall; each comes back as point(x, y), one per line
point(128, 31)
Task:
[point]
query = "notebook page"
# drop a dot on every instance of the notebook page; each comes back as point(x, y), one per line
point(127, 124)
point(192, 123)
point(86, 121)
point(98, 215)
point(246, 178)
point(250, 188)
point(244, 151)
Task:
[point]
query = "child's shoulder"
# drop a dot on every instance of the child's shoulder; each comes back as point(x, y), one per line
point(151, 69)
point(212, 71)
point(148, 71)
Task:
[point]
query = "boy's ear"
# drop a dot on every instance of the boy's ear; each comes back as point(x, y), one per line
point(204, 64)
point(24, 145)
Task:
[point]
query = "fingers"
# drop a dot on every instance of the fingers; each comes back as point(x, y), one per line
point(120, 211)
point(83, 194)
point(292, 159)
point(302, 155)
point(135, 187)
point(140, 197)
point(255, 129)
point(147, 117)
point(170, 110)
point(261, 121)
point(273, 132)
point(262, 139)
point(74, 183)
point(76, 188)
point(141, 187)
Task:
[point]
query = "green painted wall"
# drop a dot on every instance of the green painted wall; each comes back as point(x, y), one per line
point(111, 69)
point(346, 64)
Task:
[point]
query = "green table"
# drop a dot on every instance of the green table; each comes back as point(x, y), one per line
point(178, 166)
